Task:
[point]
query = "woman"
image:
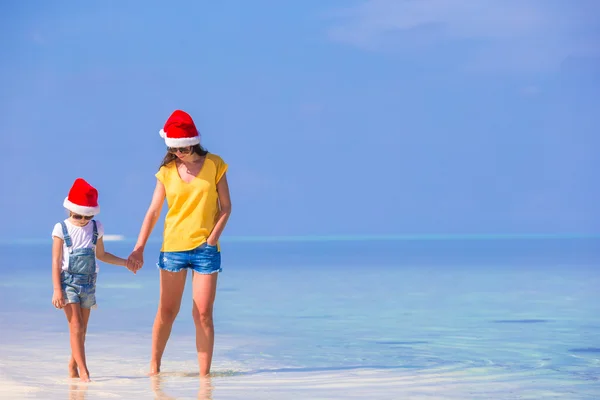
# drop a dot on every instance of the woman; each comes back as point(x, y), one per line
point(195, 186)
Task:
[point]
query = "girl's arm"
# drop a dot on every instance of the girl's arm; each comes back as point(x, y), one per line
point(107, 257)
point(58, 299)
point(224, 213)
point(136, 259)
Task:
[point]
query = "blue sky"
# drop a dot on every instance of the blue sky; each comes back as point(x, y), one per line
point(336, 117)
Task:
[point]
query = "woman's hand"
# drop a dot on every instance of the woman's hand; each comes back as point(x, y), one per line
point(135, 261)
point(224, 212)
point(58, 300)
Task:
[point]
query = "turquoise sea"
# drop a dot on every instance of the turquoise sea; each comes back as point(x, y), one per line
point(432, 317)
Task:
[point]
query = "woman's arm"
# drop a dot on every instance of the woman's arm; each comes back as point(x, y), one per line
point(107, 257)
point(136, 259)
point(224, 213)
point(57, 248)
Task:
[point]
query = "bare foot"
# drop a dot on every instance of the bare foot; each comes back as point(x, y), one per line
point(154, 368)
point(85, 376)
point(73, 372)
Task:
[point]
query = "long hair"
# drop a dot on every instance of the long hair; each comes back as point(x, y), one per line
point(169, 157)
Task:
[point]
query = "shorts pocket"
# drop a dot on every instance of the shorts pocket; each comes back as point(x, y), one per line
point(211, 248)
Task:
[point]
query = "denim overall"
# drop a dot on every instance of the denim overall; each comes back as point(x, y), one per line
point(79, 280)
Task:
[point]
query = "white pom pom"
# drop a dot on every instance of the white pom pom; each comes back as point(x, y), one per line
point(162, 134)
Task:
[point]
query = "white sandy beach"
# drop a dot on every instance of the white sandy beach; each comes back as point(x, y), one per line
point(118, 364)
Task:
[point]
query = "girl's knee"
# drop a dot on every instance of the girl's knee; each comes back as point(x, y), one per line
point(76, 326)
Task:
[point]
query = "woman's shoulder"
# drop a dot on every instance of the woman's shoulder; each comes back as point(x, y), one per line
point(214, 158)
point(219, 166)
point(170, 165)
point(165, 170)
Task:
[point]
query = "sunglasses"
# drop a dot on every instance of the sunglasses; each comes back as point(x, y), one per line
point(86, 217)
point(182, 150)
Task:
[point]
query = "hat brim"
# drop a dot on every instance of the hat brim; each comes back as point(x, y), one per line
point(179, 142)
point(81, 210)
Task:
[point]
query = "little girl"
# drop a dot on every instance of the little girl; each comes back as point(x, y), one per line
point(77, 242)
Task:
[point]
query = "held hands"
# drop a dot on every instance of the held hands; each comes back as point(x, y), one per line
point(58, 300)
point(135, 261)
point(129, 266)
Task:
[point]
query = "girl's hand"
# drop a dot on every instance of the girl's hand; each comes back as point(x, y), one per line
point(58, 300)
point(211, 242)
point(130, 267)
point(135, 261)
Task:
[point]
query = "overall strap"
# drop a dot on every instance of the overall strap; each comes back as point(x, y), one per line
point(66, 236)
point(95, 238)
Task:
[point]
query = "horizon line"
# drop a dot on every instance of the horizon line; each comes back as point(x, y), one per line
point(313, 238)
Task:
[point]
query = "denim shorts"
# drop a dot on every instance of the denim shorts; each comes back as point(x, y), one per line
point(79, 288)
point(204, 259)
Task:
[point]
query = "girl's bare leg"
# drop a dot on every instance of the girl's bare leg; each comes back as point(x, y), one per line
point(73, 372)
point(171, 291)
point(77, 333)
point(204, 293)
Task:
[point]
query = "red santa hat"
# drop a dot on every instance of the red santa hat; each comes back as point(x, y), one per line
point(180, 131)
point(82, 199)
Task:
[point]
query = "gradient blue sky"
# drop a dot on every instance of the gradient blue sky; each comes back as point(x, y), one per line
point(336, 117)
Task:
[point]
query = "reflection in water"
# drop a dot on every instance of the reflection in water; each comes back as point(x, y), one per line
point(205, 388)
point(77, 391)
point(157, 382)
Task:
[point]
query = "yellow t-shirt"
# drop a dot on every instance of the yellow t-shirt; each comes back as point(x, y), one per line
point(193, 207)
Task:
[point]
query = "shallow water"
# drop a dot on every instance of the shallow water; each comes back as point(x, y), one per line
point(494, 318)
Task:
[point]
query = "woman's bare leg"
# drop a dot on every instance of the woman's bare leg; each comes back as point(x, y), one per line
point(204, 293)
point(171, 291)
